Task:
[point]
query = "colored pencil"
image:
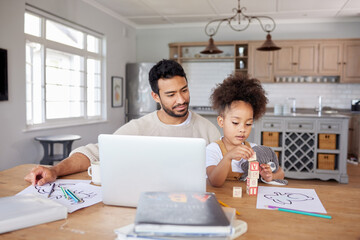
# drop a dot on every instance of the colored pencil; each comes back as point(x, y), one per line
point(299, 212)
point(65, 194)
point(225, 205)
point(72, 196)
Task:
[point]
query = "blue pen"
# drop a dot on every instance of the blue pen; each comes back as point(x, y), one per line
point(72, 196)
point(51, 190)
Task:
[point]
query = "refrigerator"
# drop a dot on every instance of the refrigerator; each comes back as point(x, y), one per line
point(138, 98)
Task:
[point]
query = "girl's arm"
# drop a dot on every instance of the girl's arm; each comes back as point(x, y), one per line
point(217, 174)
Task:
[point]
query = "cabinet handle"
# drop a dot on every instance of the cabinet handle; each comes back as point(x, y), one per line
point(339, 63)
point(294, 63)
point(329, 126)
point(344, 63)
point(270, 64)
point(300, 126)
point(271, 125)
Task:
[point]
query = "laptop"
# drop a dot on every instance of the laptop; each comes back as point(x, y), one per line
point(131, 165)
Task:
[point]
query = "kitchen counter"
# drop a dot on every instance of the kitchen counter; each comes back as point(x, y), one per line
point(300, 112)
point(308, 115)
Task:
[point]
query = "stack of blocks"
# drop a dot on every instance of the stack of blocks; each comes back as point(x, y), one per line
point(253, 176)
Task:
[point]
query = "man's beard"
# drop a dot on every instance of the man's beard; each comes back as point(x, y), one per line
point(171, 113)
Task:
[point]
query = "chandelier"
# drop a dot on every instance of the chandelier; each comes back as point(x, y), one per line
point(240, 22)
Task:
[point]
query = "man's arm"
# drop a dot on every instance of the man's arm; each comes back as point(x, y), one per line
point(40, 175)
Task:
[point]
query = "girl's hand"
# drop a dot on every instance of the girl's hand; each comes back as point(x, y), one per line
point(266, 173)
point(240, 152)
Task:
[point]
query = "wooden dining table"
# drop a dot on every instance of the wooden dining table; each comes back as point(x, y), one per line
point(341, 201)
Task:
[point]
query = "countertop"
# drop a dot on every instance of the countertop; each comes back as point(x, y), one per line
point(300, 112)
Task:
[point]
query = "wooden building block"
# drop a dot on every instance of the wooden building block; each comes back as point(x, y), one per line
point(252, 191)
point(251, 182)
point(237, 192)
point(252, 158)
point(253, 166)
point(253, 174)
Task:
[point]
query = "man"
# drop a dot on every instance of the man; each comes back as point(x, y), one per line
point(170, 89)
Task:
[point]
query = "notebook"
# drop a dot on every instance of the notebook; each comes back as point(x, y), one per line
point(180, 214)
point(21, 211)
point(131, 165)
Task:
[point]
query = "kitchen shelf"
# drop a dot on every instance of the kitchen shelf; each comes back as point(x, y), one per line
point(207, 59)
point(190, 52)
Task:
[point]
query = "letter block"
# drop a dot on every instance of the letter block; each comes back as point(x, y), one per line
point(252, 191)
point(253, 174)
point(252, 158)
point(254, 166)
point(237, 192)
point(251, 182)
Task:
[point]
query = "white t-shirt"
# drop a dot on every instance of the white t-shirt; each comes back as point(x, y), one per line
point(214, 156)
point(150, 125)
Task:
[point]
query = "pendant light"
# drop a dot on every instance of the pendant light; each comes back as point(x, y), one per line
point(240, 22)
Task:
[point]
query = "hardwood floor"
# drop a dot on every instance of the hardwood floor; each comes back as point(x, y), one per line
point(354, 179)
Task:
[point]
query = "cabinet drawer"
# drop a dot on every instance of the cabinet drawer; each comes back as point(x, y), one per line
point(271, 125)
point(270, 139)
point(327, 141)
point(326, 161)
point(332, 127)
point(300, 125)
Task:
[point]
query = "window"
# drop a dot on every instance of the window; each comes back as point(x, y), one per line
point(64, 72)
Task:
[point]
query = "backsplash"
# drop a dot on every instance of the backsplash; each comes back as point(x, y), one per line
point(203, 77)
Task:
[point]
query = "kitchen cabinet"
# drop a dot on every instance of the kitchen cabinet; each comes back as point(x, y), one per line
point(340, 57)
point(260, 63)
point(309, 146)
point(330, 58)
point(296, 58)
point(351, 62)
point(336, 58)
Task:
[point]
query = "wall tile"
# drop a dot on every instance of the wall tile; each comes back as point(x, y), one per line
point(203, 77)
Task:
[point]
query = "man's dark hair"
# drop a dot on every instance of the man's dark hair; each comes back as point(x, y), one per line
point(238, 87)
point(164, 69)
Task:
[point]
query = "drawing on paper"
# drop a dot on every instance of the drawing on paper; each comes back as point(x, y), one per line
point(294, 198)
point(58, 194)
point(287, 198)
point(90, 194)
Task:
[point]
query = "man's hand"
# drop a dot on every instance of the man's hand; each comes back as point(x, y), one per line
point(40, 175)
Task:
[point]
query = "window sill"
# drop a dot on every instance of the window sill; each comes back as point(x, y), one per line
point(61, 125)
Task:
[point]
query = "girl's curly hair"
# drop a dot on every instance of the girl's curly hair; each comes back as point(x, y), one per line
point(239, 87)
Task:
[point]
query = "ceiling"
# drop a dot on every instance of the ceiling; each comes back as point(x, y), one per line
point(149, 13)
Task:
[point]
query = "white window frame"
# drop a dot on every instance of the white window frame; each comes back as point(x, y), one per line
point(71, 121)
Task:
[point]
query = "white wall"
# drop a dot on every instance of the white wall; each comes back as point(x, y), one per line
point(152, 45)
point(18, 146)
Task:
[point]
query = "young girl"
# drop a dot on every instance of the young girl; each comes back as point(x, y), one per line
point(240, 101)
